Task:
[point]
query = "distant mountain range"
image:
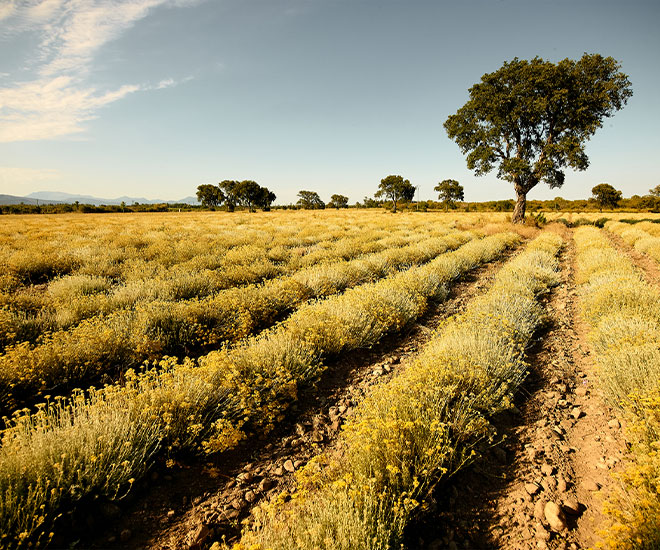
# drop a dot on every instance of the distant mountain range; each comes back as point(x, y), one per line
point(57, 197)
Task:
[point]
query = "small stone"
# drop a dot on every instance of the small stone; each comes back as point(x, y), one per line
point(245, 477)
point(576, 413)
point(289, 467)
point(561, 484)
point(125, 535)
point(297, 464)
point(547, 469)
point(581, 391)
point(614, 423)
point(555, 517)
point(250, 496)
point(300, 429)
point(198, 536)
point(342, 409)
point(112, 539)
point(591, 485)
point(541, 533)
point(571, 506)
point(266, 485)
point(532, 488)
point(377, 372)
point(170, 514)
point(278, 471)
point(238, 504)
point(539, 510)
point(549, 483)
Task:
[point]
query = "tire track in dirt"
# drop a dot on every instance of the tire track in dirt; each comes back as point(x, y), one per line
point(200, 501)
point(558, 445)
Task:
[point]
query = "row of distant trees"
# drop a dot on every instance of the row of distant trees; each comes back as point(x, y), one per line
point(246, 193)
point(393, 189)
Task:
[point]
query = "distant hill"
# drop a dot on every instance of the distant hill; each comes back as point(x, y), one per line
point(12, 199)
point(58, 197)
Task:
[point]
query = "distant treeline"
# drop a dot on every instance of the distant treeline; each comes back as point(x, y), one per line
point(646, 203)
point(90, 208)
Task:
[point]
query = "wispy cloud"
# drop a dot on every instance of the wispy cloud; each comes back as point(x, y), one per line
point(13, 178)
point(58, 100)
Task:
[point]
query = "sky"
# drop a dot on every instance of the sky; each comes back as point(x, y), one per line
point(152, 98)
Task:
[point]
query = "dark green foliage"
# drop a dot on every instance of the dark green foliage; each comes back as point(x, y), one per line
point(338, 201)
point(532, 119)
point(606, 196)
point(449, 191)
point(395, 188)
point(310, 200)
point(207, 194)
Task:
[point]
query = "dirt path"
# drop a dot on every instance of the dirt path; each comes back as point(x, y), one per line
point(198, 501)
point(559, 446)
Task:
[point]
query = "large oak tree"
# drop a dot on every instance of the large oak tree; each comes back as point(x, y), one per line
point(532, 119)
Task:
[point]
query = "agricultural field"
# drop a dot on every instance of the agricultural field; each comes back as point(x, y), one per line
point(329, 379)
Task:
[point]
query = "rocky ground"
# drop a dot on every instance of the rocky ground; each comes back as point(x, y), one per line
point(541, 486)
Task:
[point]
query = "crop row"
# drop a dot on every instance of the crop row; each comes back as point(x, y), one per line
point(623, 315)
point(26, 313)
point(108, 345)
point(421, 427)
point(116, 247)
point(100, 442)
point(643, 236)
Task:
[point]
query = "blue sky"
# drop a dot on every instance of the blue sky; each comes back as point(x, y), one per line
point(155, 97)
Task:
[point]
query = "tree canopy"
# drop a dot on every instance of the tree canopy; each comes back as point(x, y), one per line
point(395, 188)
point(338, 201)
point(449, 191)
point(532, 119)
point(247, 193)
point(310, 200)
point(209, 195)
point(606, 196)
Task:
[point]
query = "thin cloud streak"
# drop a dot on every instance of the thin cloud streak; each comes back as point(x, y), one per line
point(16, 176)
point(57, 102)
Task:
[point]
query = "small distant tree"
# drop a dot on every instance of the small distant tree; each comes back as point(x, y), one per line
point(606, 196)
point(655, 191)
point(395, 189)
point(449, 191)
point(230, 190)
point(209, 195)
point(338, 201)
point(310, 200)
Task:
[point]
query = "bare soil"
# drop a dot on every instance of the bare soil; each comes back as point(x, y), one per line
point(560, 445)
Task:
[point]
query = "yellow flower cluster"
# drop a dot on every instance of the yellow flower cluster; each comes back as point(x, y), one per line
point(110, 435)
point(623, 313)
point(644, 236)
point(98, 348)
point(420, 427)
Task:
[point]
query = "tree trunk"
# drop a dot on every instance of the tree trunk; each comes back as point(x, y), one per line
point(394, 208)
point(521, 205)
